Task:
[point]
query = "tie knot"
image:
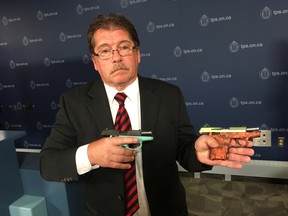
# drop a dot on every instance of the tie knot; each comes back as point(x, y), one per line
point(120, 97)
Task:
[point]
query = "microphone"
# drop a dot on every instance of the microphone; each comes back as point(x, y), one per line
point(26, 107)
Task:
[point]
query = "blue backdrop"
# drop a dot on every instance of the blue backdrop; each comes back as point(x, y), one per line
point(230, 58)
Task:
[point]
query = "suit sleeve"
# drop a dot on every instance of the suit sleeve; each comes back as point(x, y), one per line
point(186, 153)
point(57, 158)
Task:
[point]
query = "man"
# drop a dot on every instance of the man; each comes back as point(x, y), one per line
point(75, 150)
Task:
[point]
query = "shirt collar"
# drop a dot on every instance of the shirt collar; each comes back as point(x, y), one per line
point(131, 91)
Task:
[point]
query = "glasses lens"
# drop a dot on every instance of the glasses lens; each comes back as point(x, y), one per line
point(105, 54)
point(123, 51)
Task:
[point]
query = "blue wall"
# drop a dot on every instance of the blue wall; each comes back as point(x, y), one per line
point(230, 58)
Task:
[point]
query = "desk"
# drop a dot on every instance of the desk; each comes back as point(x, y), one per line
point(10, 182)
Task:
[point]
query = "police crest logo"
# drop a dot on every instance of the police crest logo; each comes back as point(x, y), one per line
point(150, 27)
point(204, 20)
point(205, 76)
point(178, 51)
point(234, 47)
point(266, 13)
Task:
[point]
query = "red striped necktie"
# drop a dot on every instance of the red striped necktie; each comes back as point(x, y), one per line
point(122, 123)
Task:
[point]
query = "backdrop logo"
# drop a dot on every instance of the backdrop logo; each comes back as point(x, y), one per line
point(80, 9)
point(150, 27)
point(26, 144)
point(205, 76)
point(145, 55)
point(165, 79)
point(264, 127)
point(234, 102)
point(264, 74)
point(53, 105)
point(266, 13)
point(178, 51)
point(85, 59)
point(39, 125)
point(125, 3)
point(41, 15)
point(5, 86)
point(6, 21)
point(63, 37)
point(69, 83)
point(204, 20)
point(191, 51)
point(34, 85)
point(194, 103)
point(47, 62)
point(26, 41)
point(234, 47)
point(14, 64)
point(3, 43)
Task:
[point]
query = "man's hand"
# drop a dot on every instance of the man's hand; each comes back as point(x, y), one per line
point(236, 156)
point(108, 152)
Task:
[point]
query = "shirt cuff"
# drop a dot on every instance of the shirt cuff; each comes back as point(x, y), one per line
point(83, 164)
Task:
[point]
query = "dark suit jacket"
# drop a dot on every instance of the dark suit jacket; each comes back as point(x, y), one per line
point(84, 113)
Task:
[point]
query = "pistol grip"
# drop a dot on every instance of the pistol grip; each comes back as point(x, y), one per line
point(141, 139)
point(220, 152)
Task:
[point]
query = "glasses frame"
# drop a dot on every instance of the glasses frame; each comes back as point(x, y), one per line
point(112, 53)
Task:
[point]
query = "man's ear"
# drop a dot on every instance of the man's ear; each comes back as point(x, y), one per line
point(139, 56)
point(94, 63)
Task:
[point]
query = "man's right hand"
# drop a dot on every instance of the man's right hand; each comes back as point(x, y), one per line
point(108, 152)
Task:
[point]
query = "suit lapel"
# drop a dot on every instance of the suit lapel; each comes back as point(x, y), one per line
point(99, 106)
point(149, 110)
point(149, 107)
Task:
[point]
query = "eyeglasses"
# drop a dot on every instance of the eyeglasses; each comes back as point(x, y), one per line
point(124, 50)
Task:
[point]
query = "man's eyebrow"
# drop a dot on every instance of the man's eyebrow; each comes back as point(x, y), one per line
point(125, 41)
point(103, 45)
point(120, 42)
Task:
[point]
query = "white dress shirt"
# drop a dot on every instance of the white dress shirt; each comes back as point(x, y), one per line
point(132, 105)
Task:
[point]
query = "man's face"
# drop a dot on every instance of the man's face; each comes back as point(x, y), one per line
point(117, 71)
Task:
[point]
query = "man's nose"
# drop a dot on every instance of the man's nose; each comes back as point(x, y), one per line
point(116, 57)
